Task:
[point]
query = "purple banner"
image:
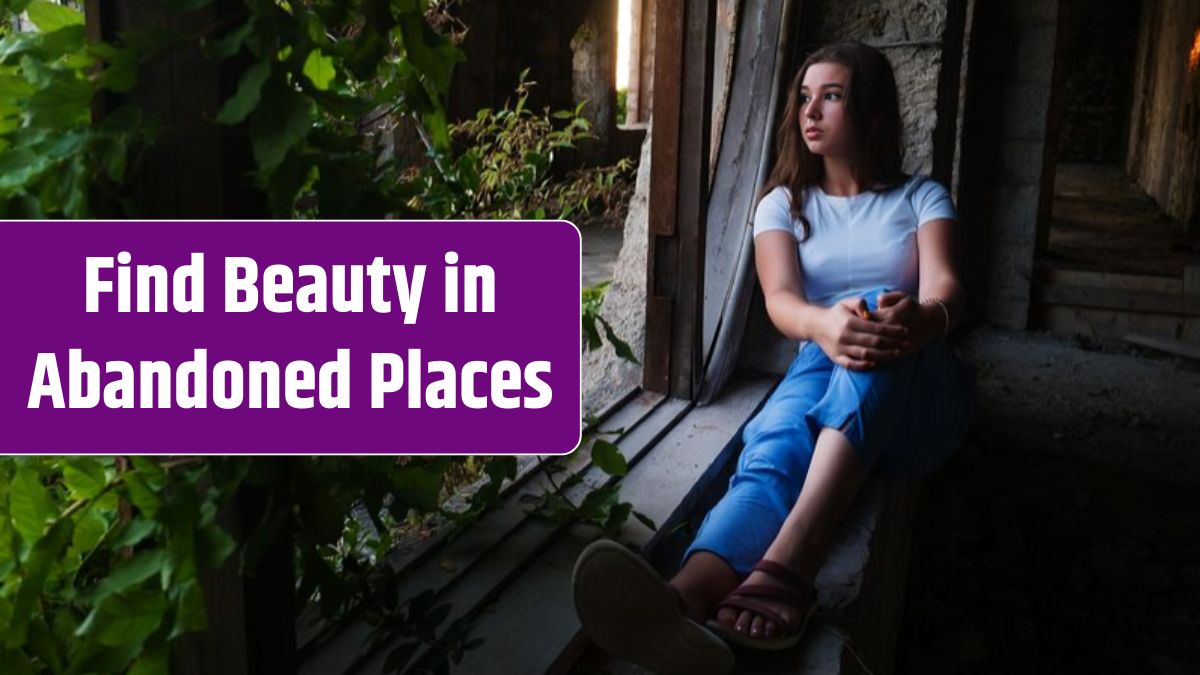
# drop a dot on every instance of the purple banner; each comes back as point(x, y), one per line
point(306, 337)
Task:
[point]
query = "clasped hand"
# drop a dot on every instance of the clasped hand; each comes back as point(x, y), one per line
point(857, 343)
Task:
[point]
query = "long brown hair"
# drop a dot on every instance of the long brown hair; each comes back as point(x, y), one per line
point(873, 107)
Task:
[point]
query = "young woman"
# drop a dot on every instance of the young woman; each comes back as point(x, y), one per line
point(856, 261)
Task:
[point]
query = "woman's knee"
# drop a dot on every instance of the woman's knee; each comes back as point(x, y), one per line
point(779, 455)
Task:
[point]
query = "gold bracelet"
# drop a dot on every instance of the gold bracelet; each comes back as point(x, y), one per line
point(945, 312)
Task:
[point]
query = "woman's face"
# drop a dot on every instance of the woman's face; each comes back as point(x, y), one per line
point(823, 119)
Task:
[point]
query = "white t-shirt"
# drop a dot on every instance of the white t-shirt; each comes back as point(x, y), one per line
point(860, 243)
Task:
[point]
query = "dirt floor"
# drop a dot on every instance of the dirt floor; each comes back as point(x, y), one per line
point(1065, 536)
point(1103, 222)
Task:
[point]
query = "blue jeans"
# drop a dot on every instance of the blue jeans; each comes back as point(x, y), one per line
point(905, 418)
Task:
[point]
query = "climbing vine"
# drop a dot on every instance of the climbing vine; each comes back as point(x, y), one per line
point(101, 558)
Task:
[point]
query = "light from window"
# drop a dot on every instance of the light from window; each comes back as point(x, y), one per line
point(624, 27)
point(1194, 56)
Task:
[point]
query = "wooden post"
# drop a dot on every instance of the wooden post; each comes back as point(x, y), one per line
point(683, 64)
point(195, 168)
point(1191, 279)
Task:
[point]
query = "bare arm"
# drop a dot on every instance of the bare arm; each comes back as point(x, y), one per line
point(783, 288)
point(938, 281)
point(848, 340)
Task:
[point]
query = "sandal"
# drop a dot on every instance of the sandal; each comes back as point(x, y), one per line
point(750, 598)
point(629, 611)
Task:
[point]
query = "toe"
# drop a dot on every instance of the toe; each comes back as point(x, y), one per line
point(743, 622)
point(771, 630)
point(727, 616)
point(756, 627)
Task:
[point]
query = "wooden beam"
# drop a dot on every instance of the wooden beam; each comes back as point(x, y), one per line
point(1166, 344)
point(1180, 304)
point(683, 64)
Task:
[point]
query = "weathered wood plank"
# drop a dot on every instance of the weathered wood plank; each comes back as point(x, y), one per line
point(1103, 298)
point(620, 416)
point(742, 166)
point(1171, 346)
point(1104, 323)
point(1123, 282)
point(686, 279)
point(538, 603)
point(1191, 279)
point(476, 564)
point(664, 188)
point(678, 189)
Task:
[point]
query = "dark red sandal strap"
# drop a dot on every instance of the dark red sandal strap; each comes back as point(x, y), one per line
point(746, 603)
point(789, 576)
point(780, 593)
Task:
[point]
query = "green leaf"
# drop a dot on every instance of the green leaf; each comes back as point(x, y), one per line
point(368, 49)
point(319, 70)
point(122, 619)
point(617, 515)
point(283, 120)
point(215, 545)
point(62, 102)
point(645, 520)
point(42, 644)
point(13, 87)
point(180, 563)
point(93, 657)
point(49, 16)
point(190, 615)
point(135, 570)
point(434, 55)
point(29, 504)
point(620, 346)
point(229, 45)
point(15, 662)
point(420, 485)
point(37, 567)
point(90, 526)
point(155, 661)
point(608, 458)
point(137, 530)
point(121, 72)
point(248, 94)
point(598, 504)
point(590, 334)
point(141, 493)
point(84, 476)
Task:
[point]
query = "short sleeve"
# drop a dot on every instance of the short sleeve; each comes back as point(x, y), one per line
point(774, 213)
point(931, 201)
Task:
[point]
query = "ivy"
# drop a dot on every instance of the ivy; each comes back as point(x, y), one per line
point(50, 153)
point(91, 582)
point(101, 558)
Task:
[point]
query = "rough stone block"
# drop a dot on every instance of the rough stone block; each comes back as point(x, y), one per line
point(1033, 53)
point(605, 375)
point(1024, 111)
point(1008, 313)
point(1014, 222)
point(1021, 161)
point(1035, 11)
point(876, 22)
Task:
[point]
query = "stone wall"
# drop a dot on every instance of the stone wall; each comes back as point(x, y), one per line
point(1006, 160)
point(605, 376)
point(1162, 156)
point(910, 33)
point(1100, 42)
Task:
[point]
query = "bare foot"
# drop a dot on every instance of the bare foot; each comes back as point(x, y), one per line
point(756, 625)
